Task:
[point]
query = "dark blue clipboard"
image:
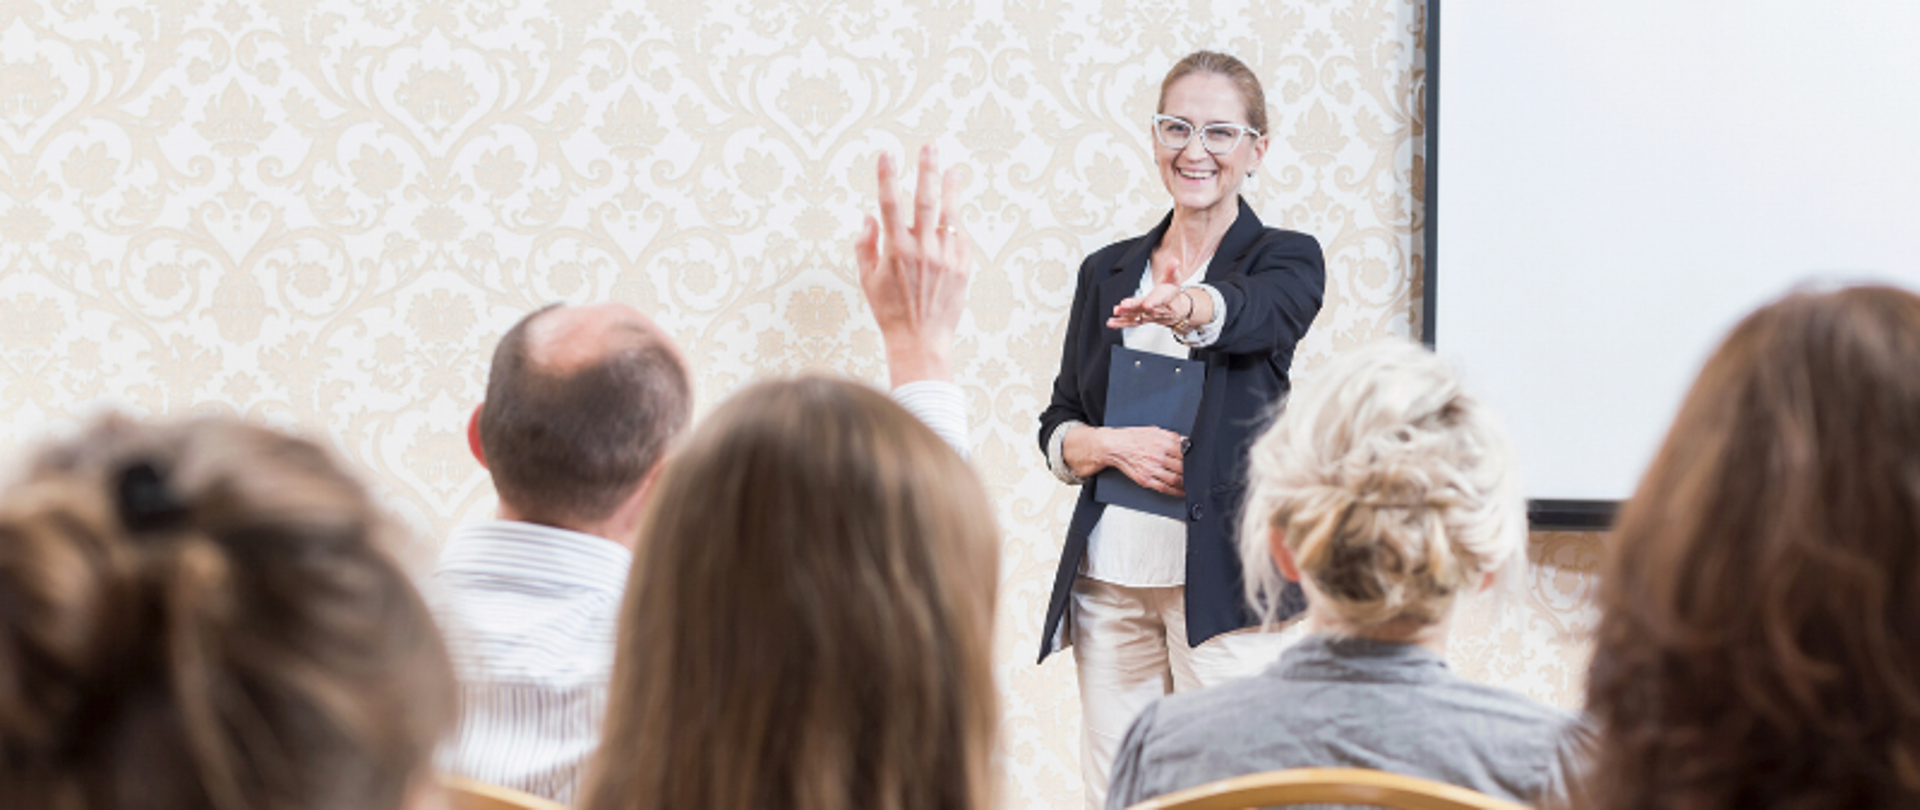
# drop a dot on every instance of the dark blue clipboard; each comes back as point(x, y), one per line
point(1145, 389)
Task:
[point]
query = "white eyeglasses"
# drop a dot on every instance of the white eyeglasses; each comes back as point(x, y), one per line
point(1174, 132)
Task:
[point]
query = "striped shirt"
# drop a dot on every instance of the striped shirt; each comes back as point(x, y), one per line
point(941, 406)
point(529, 614)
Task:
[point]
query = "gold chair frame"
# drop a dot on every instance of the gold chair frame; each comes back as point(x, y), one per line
point(1355, 786)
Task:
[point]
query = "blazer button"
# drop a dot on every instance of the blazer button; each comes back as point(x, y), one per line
point(1197, 511)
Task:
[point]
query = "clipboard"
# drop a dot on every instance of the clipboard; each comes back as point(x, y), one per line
point(1147, 389)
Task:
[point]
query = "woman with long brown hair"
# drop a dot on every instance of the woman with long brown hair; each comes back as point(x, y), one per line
point(809, 619)
point(204, 615)
point(1760, 639)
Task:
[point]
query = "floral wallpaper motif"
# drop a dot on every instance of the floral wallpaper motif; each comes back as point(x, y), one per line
point(322, 215)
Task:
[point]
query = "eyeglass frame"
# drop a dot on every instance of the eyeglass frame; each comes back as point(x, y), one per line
point(1240, 133)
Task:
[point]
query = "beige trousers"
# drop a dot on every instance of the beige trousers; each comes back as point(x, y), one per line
point(1130, 647)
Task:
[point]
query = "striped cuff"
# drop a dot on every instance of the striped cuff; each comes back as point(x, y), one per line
point(1056, 461)
point(939, 405)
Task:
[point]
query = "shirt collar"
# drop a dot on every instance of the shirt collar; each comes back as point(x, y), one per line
point(1325, 657)
point(532, 554)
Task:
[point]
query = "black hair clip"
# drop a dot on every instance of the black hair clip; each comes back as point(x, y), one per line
point(146, 501)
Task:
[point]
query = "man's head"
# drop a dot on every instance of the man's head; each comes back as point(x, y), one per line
point(581, 405)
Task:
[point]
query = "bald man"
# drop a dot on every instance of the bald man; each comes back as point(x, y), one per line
point(581, 405)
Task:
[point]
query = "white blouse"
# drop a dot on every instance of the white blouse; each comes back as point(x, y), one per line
point(1129, 547)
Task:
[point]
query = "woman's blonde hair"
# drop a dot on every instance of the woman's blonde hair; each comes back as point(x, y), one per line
point(809, 621)
point(1252, 96)
point(1393, 485)
point(203, 615)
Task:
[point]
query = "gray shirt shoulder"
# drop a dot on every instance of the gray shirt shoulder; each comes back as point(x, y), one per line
point(1353, 703)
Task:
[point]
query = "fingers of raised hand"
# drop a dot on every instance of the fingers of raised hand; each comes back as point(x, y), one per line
point(959, 252)
point(889, 198)
point(954, 242)
point(866, 247)
point(926, 199)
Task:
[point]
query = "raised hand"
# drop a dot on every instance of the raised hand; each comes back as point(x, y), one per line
point(915, 276)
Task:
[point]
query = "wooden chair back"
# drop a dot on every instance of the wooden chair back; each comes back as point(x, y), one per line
point(1351, 786)
point(467, 794)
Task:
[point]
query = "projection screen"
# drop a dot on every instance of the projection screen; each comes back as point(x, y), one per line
point(1613, 185)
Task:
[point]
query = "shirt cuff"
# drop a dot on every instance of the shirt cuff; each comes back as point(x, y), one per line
point(1056, 461)
point(939, 405)
point(1203, 336)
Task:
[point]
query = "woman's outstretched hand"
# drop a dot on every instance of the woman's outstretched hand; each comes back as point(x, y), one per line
point(914, 275)
point(1167, 303)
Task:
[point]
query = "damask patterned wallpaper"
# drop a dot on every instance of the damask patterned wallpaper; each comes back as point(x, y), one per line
point(322, 216)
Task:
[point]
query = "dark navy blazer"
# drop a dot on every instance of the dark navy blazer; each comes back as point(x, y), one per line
point(1272, 282)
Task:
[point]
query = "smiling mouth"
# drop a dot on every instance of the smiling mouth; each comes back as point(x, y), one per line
point(1197, 174)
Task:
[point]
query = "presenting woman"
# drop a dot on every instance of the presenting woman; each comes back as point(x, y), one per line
point(1151, 603)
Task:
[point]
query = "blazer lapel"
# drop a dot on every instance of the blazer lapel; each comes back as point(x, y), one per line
point(1246, 229)
point(1123, 278)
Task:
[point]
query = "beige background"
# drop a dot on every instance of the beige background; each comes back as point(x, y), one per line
point(323, 216)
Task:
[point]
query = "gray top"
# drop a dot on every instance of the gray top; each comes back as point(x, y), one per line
point(1353, 703)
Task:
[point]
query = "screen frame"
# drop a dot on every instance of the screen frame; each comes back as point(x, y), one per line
point(1542, 514)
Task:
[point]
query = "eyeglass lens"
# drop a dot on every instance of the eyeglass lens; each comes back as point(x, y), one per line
point(1219, 139)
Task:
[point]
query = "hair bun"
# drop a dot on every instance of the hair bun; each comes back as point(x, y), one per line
point(147, 502)
point(1393, 485)
point(67, 612)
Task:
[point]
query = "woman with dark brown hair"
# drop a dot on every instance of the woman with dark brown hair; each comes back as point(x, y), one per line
point(809, 619)
point(1760, 639)
point(203, 616)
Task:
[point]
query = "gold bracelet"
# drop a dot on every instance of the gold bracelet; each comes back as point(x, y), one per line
point(1185, 323)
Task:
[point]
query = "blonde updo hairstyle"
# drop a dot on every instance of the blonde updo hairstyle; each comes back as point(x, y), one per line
point(204, 615)
point(1394, 488)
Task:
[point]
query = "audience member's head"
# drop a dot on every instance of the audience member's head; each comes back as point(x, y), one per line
point(581, 405)
point(205, 616)
point(1385, 489)
point(809, 618)
point(1760, 635)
